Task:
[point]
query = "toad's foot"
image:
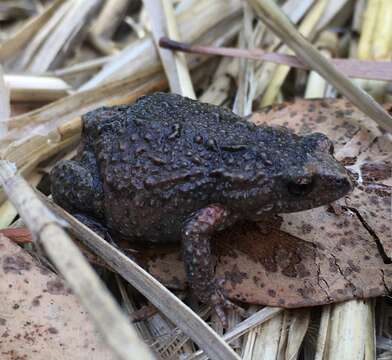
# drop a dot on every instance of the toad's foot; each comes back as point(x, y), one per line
point(198, 260)
point(220, 303)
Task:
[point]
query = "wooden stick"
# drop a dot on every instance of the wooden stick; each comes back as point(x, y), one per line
point(363, 69)
point(182, 316)
point(47, 232)
point(273, 17)
point(182, 72)
point(7, 210)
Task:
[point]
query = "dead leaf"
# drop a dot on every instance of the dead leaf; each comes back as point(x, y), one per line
point(39, 316)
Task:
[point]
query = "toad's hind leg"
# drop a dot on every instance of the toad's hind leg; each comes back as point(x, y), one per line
point(76, 189)
point(197, 256)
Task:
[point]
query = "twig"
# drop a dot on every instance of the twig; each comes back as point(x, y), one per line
point(18, 235)
point(183, 317)
point(273, 17)
point(363, 69)
point(323, 333)
point(47, 232)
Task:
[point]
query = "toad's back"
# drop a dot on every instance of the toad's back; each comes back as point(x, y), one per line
point(166, 156)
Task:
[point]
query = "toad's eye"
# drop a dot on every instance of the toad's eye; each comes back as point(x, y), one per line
point(300, 187)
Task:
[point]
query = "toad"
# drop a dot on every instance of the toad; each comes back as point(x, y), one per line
point(167, 168)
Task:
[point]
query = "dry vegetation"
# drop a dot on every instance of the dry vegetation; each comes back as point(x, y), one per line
point(62, 58)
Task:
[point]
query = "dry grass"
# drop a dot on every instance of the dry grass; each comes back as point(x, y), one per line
point(72, 56)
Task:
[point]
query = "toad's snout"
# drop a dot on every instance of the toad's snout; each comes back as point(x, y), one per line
point(333, 180)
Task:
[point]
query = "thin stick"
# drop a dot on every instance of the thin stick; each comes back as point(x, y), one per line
point(275, 19)
point(183, 317)
point(47, 232)
point(7, 210)
point(323, 333)
point(362, 69)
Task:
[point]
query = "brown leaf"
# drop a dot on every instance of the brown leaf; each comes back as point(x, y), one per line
point(39, 316)
point(320, 256)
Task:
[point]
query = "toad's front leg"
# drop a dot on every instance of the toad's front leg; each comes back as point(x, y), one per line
point(197, 256)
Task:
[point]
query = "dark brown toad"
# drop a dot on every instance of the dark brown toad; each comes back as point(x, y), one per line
point(168, 168)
